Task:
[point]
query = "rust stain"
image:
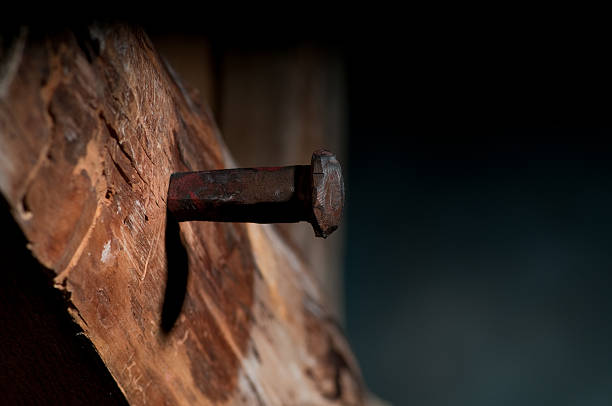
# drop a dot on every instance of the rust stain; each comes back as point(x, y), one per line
point(312, 193)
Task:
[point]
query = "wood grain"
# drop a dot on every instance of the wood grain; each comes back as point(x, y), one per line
point(91, 126)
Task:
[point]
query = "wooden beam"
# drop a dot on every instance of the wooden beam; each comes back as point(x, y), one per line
point(91, 126)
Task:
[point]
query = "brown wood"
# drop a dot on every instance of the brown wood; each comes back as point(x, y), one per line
point(274, 104)
point(91, 127)
point(44, 357)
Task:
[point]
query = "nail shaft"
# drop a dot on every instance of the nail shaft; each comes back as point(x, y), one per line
point(253, 195)
point(313, 193)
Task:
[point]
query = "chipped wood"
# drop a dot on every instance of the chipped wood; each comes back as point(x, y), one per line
point(91, 127)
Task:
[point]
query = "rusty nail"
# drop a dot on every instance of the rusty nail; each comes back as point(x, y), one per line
point(313, 193)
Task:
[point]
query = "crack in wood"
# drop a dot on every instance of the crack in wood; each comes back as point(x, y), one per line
point(245, 285)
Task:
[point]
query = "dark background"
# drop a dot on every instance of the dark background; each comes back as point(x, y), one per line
point(478, 267)
point(478, 262)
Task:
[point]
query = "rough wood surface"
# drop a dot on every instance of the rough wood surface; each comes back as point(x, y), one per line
point(44, 356)
point(91, 127)
point(274, 104)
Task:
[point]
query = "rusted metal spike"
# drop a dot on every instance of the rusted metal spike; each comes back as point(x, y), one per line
point(313, 193)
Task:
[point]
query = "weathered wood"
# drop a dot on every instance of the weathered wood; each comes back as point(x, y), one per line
point(274, 104)
point(44, 357)
point(91, 127)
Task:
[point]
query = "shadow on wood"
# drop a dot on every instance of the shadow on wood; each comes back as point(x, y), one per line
point(178, 272)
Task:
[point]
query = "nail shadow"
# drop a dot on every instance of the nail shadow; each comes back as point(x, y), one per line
point(178, 270)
